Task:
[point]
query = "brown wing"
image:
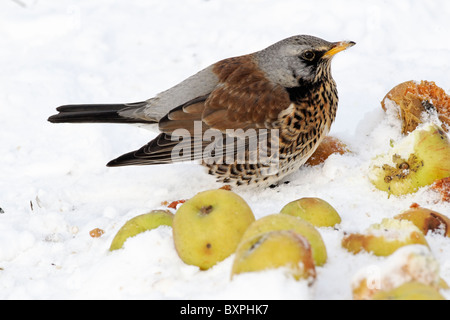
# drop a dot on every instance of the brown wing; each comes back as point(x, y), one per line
point(244, 99)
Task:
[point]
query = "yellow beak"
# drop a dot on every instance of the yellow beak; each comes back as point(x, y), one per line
point(338, 47)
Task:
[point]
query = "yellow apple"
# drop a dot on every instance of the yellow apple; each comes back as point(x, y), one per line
point(208, 227)
point(407, 264)
point(276, 249)
point(410, 291)
point(414, 162)
point(382, 239)
point(427, 220)
point(316, 211)
point(279, 221)
point(141, 223)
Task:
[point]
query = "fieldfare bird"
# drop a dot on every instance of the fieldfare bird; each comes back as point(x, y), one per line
point(251, 120)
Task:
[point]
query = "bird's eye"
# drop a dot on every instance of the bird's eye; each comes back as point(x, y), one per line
point(308, 55)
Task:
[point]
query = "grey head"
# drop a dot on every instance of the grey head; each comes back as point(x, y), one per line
point(299, 58)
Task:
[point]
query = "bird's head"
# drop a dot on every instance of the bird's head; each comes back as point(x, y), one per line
point(299, 59)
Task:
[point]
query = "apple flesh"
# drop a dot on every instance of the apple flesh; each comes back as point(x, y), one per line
point(414, 162)
point(316, 211)
point(208, 227)
point(279, 221)
point(414, 101)
point(383, 239)
point(277, 249)
point(139, 224)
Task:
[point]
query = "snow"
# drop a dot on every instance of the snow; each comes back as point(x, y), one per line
point(393, 229)
point(409, 263)
point(55, 187)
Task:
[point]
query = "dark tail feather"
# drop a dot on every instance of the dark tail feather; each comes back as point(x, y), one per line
point(96, 113)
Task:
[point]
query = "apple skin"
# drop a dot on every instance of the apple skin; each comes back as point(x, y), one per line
point(383, 239)
point(409, 263)
point(410, 291)
point(208, 227)
point(328, 146)
point(276, 249)
point(280, 221)
point(427, 220)
point(141, 223)
point(417, 161)
point(316, 211)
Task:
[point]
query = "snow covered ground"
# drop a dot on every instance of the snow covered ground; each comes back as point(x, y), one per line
point(55, 188)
